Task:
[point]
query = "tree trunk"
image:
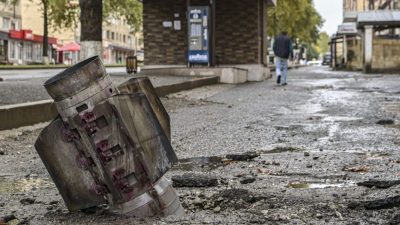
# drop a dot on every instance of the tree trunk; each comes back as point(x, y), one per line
point(91, 28)
point(45, 32)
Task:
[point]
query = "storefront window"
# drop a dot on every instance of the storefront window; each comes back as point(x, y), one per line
point(2, 48)
point(20, 50)
point(28, 51)
point(38, 52)
point(12, 50)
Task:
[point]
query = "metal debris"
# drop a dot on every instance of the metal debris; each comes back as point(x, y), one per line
point(109, 145)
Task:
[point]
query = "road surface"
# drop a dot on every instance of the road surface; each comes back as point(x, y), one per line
point(316, 138)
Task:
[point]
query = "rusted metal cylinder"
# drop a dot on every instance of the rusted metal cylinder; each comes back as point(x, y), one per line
point(115, 143)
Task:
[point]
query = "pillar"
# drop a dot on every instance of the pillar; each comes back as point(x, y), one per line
point(368, 45)
point(345, 50)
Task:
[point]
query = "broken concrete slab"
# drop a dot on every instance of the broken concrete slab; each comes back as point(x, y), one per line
point(247, 179)
point(385, 203)
point(385, 122)
point(194, 180)
point(379, 183)
point(247, 156)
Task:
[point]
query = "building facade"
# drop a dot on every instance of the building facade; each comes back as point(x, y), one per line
point(19, 45)
point(233, 33)
point(369, 5)
point(119, 41)
point(369, 29)
point(21, 30)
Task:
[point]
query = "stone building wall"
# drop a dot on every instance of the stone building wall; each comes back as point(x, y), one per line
point(385, 55)
point(354, 54)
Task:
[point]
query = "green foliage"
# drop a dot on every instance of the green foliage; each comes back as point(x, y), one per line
point(322, 45)
point(131, 10)
point(298, 17)
point(312, 52)
point(64, 14)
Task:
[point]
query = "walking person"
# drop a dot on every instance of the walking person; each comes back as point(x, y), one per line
point(282, 50)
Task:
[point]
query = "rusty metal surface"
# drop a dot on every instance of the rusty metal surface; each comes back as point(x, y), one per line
point(63, 161)
point(75, 79)
point(115, 142)
point(143, 85)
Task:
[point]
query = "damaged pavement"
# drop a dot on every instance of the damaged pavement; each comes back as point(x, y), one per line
point(322, 150)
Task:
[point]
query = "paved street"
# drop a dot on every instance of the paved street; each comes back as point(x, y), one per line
point(312, 142)
point(42, 73)
point(28, 86)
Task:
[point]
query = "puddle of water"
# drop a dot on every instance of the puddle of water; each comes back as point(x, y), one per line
point(340, 119)
point(196, 163)
point(316, 185)
point(22, 185)
point(310, 108)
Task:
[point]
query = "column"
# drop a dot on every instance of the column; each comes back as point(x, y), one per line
point(345, 50)
point(368, 40)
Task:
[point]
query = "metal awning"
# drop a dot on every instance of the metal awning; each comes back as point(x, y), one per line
point(379, 18)
point(4, 35)
point(120, 48)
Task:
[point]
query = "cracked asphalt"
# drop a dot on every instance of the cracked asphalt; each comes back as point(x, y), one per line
point(316, 139)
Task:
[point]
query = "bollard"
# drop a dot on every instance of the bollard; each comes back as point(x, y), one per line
point(109, 145)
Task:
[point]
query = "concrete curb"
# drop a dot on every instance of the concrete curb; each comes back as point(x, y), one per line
point(25, 114)
point(187, 85)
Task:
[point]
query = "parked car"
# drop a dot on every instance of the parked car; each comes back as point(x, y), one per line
point(326, 59)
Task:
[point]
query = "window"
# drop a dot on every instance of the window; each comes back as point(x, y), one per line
point(12, 50)
point(124, 38)
point(20, 50)
point(28, 51)
point(108, 35)
point(129, 40)
point(38, 52)
point(112, 35)
point(2, 49)
point(6, 23)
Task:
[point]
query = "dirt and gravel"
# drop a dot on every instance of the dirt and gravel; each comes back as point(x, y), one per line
point(299, 154)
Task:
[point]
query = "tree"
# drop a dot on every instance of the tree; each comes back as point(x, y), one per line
point(91, 28)
point(322, 45)
point(131, 10)
point(45, 53)
point(56, 14)
point(298, 17)
point(92, 14)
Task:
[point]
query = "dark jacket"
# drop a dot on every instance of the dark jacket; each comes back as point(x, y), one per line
point(283, 47)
